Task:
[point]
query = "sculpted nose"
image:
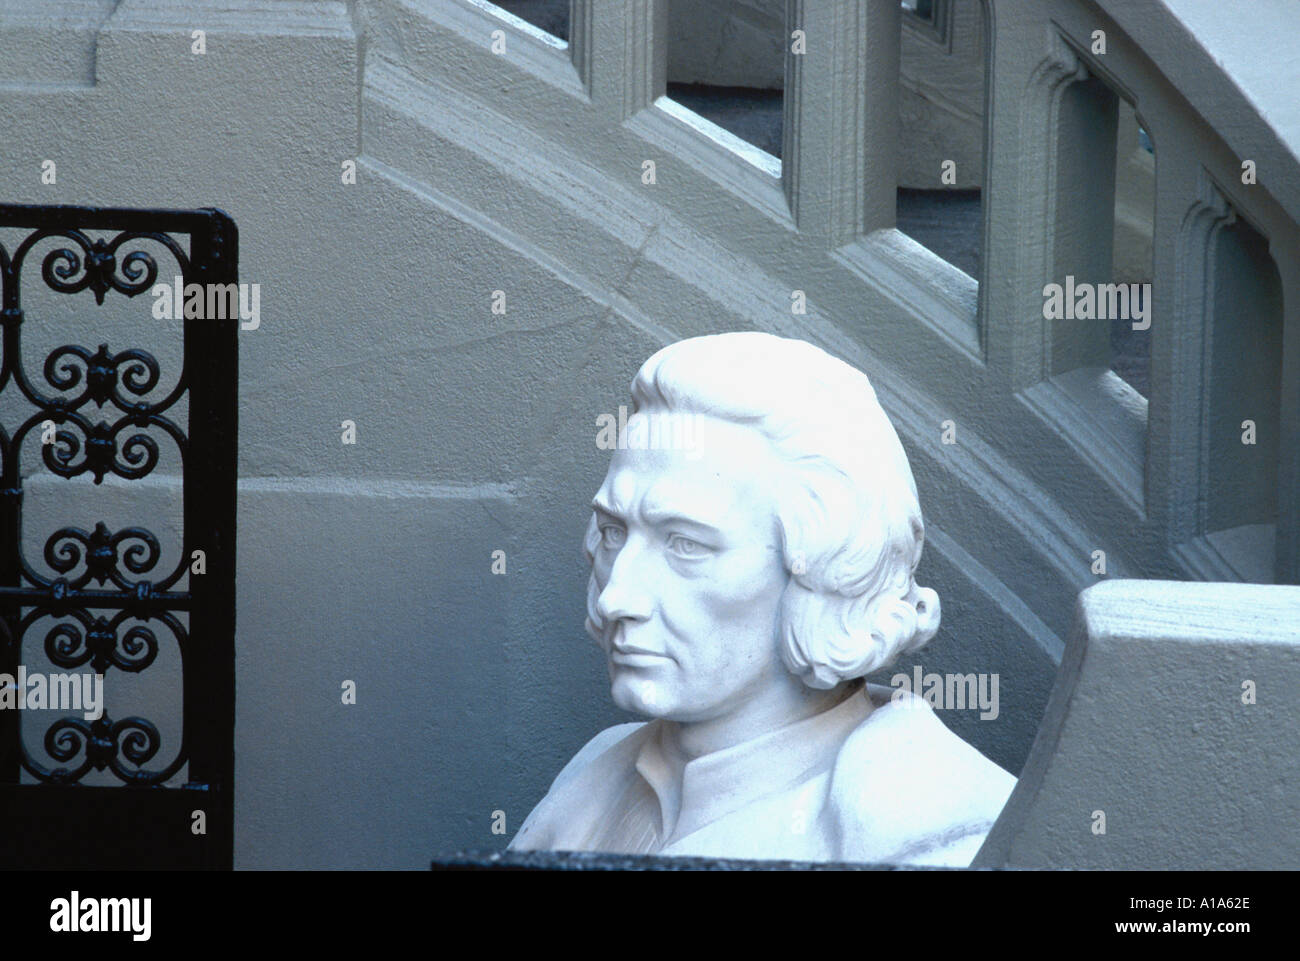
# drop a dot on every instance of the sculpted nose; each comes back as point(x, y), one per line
point(625, 595)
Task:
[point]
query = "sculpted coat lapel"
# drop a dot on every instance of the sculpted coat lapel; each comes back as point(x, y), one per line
point(875, 780)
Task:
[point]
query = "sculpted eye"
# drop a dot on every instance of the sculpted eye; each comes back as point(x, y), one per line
point(612, 537)
point(685, 547)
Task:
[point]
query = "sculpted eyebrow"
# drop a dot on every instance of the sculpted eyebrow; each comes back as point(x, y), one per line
point(657, 513)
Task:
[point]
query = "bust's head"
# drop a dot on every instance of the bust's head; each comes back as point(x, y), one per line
point(778, 534)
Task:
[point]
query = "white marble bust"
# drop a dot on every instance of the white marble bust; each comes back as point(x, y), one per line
point(752, 549)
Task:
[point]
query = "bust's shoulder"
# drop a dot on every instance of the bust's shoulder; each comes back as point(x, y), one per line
point(906, 789)
point(594, 748)
point(594, 768)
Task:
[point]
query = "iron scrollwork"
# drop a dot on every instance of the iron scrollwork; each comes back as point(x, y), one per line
point(97, 264)
point(96, 585)
point(102, 743)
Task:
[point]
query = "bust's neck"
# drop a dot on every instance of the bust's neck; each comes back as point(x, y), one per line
point(778, 705)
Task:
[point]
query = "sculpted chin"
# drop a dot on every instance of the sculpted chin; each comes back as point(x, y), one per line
point(753, 549)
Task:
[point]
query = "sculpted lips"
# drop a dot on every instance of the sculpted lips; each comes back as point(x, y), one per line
point(633, 657)
point(635, 652)
point(620, 652)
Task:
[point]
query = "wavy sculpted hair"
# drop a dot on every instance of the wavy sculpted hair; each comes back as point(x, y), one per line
point(848, 516)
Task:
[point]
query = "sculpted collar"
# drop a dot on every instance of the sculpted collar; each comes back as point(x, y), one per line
point(716, 784)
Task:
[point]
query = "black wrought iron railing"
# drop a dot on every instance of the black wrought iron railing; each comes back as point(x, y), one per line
point(99, 595)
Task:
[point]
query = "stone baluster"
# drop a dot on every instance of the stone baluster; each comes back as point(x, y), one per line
point(839, 159)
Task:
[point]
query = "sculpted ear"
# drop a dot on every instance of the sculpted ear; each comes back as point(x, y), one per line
point(926, 602)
